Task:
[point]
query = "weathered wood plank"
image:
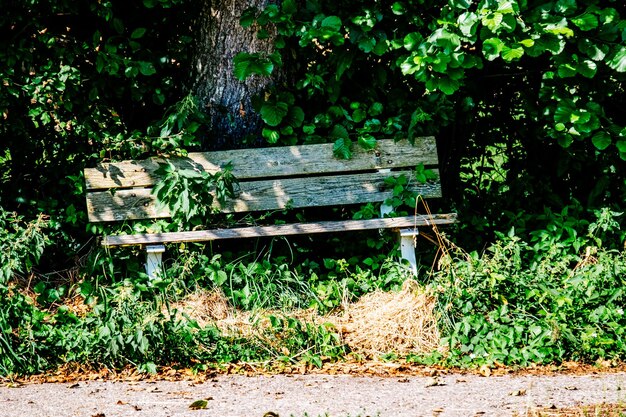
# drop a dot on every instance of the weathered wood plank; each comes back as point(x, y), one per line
point(280, 230)
point(269, 162)
point(262, 195)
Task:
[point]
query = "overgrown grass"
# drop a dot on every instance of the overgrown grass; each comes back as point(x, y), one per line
point(557, 295)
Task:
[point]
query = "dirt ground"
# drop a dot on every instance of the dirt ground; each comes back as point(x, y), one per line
point(451, 394)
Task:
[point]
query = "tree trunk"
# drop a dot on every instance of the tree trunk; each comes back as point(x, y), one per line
point(227, 100)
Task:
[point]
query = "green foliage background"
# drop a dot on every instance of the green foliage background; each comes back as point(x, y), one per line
point(525, 98)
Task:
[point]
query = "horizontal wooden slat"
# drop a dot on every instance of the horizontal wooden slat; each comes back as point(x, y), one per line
point(262, 195)
point(284, 161)
point(279, 230)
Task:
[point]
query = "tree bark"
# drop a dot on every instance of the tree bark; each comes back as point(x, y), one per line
point(227, 100)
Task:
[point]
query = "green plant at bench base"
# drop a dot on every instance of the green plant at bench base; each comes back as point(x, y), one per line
point(520, 304)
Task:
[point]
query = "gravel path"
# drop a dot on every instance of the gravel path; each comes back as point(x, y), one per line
point(314, 395)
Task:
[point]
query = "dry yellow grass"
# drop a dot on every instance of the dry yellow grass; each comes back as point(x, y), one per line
point(380, 322)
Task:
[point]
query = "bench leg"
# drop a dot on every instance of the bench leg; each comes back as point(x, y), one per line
point(154, 255)
point(407, 247)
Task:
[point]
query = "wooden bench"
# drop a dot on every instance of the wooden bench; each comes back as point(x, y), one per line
point(270, 179)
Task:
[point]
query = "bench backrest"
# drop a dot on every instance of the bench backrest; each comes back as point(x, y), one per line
point(269, 178)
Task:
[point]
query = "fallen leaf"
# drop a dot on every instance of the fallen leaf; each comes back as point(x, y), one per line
point(571, 388)
point(120, 402)
point(434, 382)
point(271, 414)
point(77, 385)
point(198, 405)
point(518, 393)
point(485, 370)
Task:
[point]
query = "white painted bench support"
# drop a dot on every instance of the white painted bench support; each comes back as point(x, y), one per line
point(407, 247)
point(154, 256)
point(407, 236)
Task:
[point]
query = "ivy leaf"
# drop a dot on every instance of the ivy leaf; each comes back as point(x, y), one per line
point(563, 113)
point(592, 50)
point(510, 54)
point(375, 109)
point(586, 21)
point(566, 70)
point(587, 68)
point(342, 148)
point(249, 64)
point(270, 135)
point(398, 8)
point(461, 4)
point(273, 113)
point(332, 23)
point(448, 86)
point(493, 21)
point(492, 48)
point(247, 17)
point(468, 23)
point(412, 41)
point(618, 61)
point(367, 141)
point(146, 68)
point(295, 116)
point(339, 132)
point(601, 140)
point(565, 6)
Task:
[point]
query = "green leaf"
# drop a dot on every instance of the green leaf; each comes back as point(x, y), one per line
point(587, 68)
point(375, 109)
point(447, 40)
point(289, 6)
point(367, 141)
point(492, 48)
point(248, 64)
point(270, 135)
point(601, 140)
point(493, 21)
point(412, 41)
point(332, 23)
point(198, 405)
point(566, 70)
point(565, 141)
point(563, 113)
point(592, 50)
point(621, 146)
point(565, 6)
point(528, 43)
point(248, 17)
point(461, 4)
point(586, 21)
point(342, 148)
point(618, 60)
point(468, 23)
point(398, 8)
point(510, 54)
point(339, 132)
point(295, 116)
point(138, 33)
point(448, 86)
point(146, 68)
point(273, 113)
